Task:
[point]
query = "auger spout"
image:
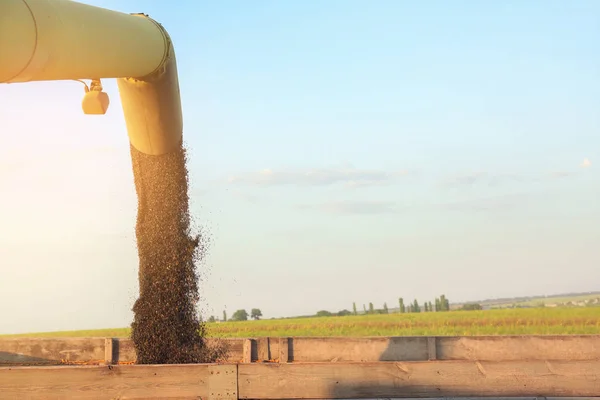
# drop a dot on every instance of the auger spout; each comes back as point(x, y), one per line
point(46, 40)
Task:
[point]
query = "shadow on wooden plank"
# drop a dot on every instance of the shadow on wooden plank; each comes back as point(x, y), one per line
point(407, 391)
point(419, 379)
point(8, 359)
point(405, 348)
point(487, 398)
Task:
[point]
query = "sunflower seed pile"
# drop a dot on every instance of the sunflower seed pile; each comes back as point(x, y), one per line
point(166, 327)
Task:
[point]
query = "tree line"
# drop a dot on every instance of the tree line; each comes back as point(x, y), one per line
point(239, 315)
point(441, 304)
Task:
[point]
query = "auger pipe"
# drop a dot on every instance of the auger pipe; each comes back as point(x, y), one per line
point(47, 40)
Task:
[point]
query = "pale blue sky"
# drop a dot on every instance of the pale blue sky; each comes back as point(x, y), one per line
point(340, 151)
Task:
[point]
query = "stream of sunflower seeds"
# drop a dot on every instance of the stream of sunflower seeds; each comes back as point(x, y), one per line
point(166, 327)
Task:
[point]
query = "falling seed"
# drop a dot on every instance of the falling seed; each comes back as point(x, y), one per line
point(166, 328)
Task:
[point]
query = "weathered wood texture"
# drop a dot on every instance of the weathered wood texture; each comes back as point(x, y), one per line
point(54, 351)
point(51, 351)
point(213, 382)
point(496, 348)
point(235, 346)
point(332, 349)
point(247, 351)
point(222, 382)
point(418, 379)
point(263, 349)
point(125, 352)
point(359, 349)
point(284, 347)
point(433, 379)
point(407, 348)
point(109, 351)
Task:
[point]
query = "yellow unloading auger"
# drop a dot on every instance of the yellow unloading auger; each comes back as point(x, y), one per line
point(48, 40)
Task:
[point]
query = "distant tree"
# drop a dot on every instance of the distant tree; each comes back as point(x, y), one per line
point(409, 308)
point(365, 308)
point(385, 308)
point(431, 307)
point(255, 314)
point(371, 308)
point(224, 315)
point(354, 309)
point(343, 313)
point(438, 306)
point(425, 307)
point(416, 307)
point(240, 315)
point(444, 303)
point(212, 319)
point(471, 307)
point(401, 304)
point(324, 313)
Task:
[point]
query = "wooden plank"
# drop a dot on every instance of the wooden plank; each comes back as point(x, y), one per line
point(311, 349)
point(108, 351)
point(495, 398)
point(366, 349)
point(484, 348)
point(235, 348)
point(283, 350)
point(431, 348)
point(247, 356)
point(262, 349)
point(122, 382)
point(50, 351)
point(274, 348)
point(418, 379)
point(526, 347)
point(222, 382)
point(125, 351)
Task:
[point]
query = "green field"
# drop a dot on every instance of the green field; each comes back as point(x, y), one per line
point(529, 321)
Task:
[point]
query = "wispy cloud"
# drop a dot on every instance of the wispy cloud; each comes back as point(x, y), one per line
point(245, 196)
point(561, 174)
point(495, 203)
point(586, 163)
point(354, 207)
point(350, 177)
point(481, 178)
